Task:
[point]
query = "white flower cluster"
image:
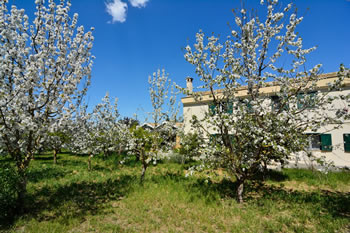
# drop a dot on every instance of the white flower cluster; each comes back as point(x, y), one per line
point(44, 68)
point(99, 131)
point(248, 132)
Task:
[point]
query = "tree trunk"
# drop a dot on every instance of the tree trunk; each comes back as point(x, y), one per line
point(55, 156)
point(143, 173)
point(90, 156)
point(144, 167)
point(22, 165)
point(265, 171)
point(240, 190)
point(22, 190)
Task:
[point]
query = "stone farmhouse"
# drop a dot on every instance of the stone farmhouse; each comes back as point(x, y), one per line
point(330, 141)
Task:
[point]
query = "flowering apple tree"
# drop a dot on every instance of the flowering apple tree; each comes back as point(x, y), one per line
point(246, 127)
point(85, 134)
point(44, 67)
point(109, 130)
point(59, 135)
point(163, 98)
point(150, 141)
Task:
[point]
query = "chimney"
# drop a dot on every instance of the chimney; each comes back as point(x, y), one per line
point(189, 85)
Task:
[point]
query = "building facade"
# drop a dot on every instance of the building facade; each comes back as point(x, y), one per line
point(331, 141)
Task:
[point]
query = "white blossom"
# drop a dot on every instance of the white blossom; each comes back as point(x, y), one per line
point(250, 135)
point(45, 66)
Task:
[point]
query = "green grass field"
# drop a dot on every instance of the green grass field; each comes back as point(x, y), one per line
point(68, 198)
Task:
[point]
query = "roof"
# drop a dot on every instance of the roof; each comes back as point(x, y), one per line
point(270, 89)
point(153, 125)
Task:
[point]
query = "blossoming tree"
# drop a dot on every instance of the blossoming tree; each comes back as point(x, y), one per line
point(163, 98)
point(45, 67)
point(109, 130)
point(245, 132)
point(85, 134)
point(59, 135)
point(150, 144)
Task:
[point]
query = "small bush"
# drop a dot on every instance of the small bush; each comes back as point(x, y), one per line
point(190, 146)
point(176, 158)
point(8, 192)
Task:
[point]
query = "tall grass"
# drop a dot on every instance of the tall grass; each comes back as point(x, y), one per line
point(68, 198)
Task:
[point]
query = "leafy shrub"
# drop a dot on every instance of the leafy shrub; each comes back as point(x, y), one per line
point(190, 145)
point(8, 191)
point(175, 157)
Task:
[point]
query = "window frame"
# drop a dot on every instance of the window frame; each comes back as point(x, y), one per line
point(301, 104)
point(276, 102)
point(324, 143)
point(310, 141)
point(346, 144)
point(213, 109)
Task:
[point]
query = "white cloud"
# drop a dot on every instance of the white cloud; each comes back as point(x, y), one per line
point(138, 3)
point(117, 9)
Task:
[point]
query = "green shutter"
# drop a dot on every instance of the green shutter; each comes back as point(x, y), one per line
point(346, 138)
point(274, 100)
point(250, 107)
point(286, 107)
point(310, 103)
point(326, 142)
point(232, 138)
point(212, 109)
point(229, 108)
point(312, 99)
point(214, 138)
point(300, 101)
point(284, 101)
point(277, 102)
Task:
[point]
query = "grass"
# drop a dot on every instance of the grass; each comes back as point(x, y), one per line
point(68, 198)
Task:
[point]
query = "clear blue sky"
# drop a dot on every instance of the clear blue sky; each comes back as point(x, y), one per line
point(153, 35)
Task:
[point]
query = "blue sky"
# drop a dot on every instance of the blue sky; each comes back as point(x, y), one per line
point(153, 33)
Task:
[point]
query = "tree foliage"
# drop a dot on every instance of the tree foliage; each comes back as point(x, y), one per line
point(245, 127)
point(45, 68)
point(163, 98)
point(150, 144)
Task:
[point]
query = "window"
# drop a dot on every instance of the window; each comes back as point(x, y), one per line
point(346, 138)
point(314, 142)
point(222, 107)
point(227, 107)
point(212, 109)
point(276, 103)
point(306, 100)
point(250, 107)
point(246, 104)
point(217, 138)
point(321, 142)
point(214, 138)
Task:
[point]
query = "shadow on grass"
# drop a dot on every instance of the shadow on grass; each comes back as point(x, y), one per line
point(44, 157)
point(48, 170)
point(96, 167)
point(74, 163)
point(36, 175)
point(78, 199)
point(75, 200)
point(274, 175)
point(336, 204)
point(6, 159)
